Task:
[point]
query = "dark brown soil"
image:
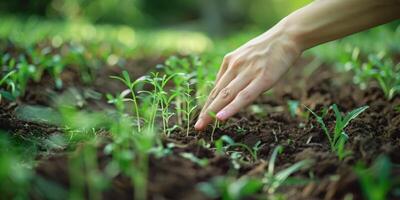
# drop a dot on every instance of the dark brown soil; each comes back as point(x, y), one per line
point(374, 132)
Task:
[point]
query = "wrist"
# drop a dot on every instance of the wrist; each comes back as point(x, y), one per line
point(291, 30)
point(288, 36)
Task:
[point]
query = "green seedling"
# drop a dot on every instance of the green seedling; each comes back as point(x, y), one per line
point(293, 105)
point(161, 151)
point(230, 143)
point(380, 69)
point(271, 180)
point(131, 86)
point(118, 100)
point(159, 99)
point(338, 138)
point(9, 83)
point(164, 99)
point(228, 188)
point(215, 125)
point(376, 181)
point(190, 106)
point(180, 69)
point(201, 162)
point(231, 189)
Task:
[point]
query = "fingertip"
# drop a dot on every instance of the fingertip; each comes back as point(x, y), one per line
point(199, 125)
point(223, 115)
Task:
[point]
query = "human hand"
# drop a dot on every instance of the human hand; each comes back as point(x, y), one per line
point(247, 72)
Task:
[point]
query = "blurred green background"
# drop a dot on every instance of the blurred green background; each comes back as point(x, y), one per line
point(141, 27)
point(217, 17)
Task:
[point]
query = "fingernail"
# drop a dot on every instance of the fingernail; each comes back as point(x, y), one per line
point(221, 115)
point(198, 125)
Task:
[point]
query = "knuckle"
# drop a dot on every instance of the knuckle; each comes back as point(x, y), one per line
point(226, 93)
point(236, 63)
point(227, 58)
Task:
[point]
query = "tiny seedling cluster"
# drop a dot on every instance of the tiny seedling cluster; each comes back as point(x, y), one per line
point(379, 68)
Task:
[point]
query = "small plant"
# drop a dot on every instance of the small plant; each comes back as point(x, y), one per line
point(181, 72)
point(376, 181)
point(380, 69)
point(200, 161)
point(215, 125)
point(230, 143)
point(10, 84)
point(228, 188)
point(131, 86)
point(293, 105)
point(190, 106)
point(338, 138)
point(272, 181)
point(159, 99)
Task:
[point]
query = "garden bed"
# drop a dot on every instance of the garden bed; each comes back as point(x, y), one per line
point(193, 161)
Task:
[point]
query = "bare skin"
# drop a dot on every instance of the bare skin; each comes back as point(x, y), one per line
point(256, 66)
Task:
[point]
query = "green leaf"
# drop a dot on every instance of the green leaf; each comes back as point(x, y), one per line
point(126, 76)
point(293, 105)
point(353, 114)
point(282, 175)
point(244, 187)
point(322, 123)
point(6, 76)
point(271, 164)
point(227, 139)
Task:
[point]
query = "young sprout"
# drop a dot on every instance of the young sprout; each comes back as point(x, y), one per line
point(380, 69)
point(376, 181)
point(293, 105)
point(201, 162)
point(166, 113)
point(338, 138)
point(118, 100)
point(131, 86)
point(180, 69)
point(160, 98)
point(272, 181)
point(10, 83)
point(228, 188)
point(215, 125)
point(190, 106)
point(221, 148)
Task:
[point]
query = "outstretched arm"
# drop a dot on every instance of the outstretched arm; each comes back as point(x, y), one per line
point(257, 65)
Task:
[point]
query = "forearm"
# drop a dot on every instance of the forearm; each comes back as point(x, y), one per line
point(327, 20)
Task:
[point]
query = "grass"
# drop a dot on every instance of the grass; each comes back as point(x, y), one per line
point(338, 137)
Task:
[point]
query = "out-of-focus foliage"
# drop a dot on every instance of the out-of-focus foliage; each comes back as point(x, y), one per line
point(216, 16)
point(122, 38)
point(384, 39)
